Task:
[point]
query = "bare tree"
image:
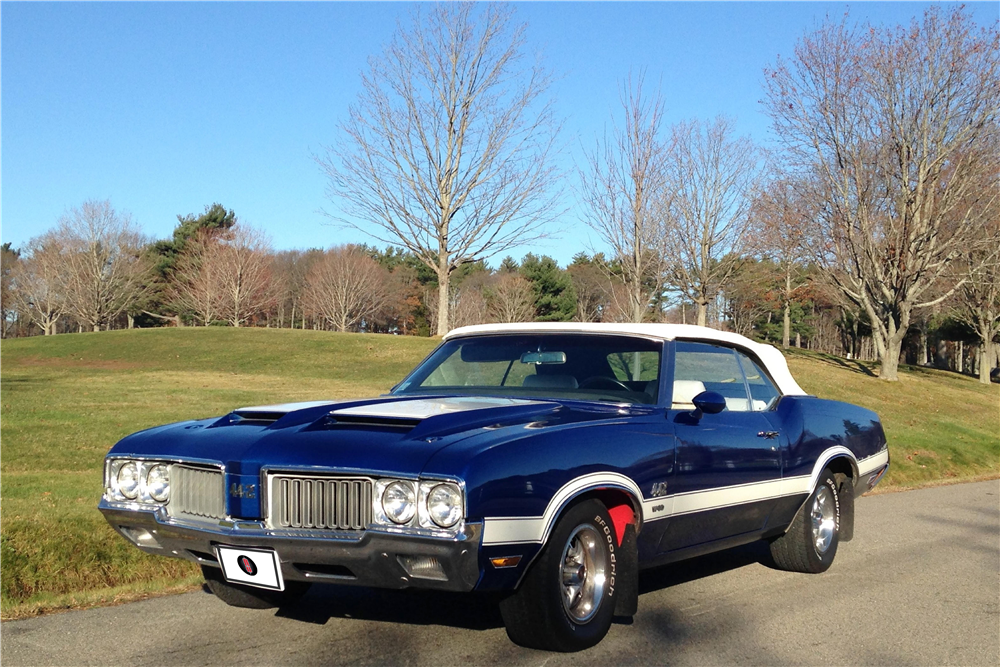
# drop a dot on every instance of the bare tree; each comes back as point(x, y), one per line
point(781, 222)
point(509, 298)
point(9, 260)
point(746, 296)
point(290, 269)
point(244, 274)
point(624, 196)
point(447, 151)
point(591, 287)
point(979, 294)
point(39, 282)
point(712, 176)
point(345, 287)
point(197, 284)
point(106, 263)
point(619, 301)
point(468, 305)
point(897, 129)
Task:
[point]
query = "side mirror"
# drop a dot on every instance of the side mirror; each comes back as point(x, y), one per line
point(709, 402)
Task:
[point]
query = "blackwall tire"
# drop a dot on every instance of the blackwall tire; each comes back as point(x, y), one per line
point(811, 542)
point(251, 597)
point(567, 599)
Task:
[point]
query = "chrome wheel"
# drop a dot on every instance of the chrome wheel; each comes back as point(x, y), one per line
point(824, 519)
point(583, 573)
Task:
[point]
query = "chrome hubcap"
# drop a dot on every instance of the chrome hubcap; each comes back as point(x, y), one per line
point(583, 573)
point(824, 519)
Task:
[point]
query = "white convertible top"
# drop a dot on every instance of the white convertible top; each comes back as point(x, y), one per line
point(769, 355)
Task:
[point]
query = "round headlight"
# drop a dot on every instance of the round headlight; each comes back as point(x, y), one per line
point(444, 505)
point(128, 480)
point(158, 483)
point(399, 502)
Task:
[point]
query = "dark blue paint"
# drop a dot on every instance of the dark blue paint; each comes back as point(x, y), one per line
point(514, 459)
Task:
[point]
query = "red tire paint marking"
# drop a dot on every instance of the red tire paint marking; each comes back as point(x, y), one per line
point(621, 516)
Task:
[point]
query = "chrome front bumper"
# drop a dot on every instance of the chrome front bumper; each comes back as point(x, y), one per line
point(375, 558)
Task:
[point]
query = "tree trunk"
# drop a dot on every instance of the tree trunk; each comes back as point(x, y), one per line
point(798, 339)
point(922, 358)
point(787, 322)
point(893, 345)
point(131, 321)
point(986, 350)
point(444, 284)
point(702, 314)
point(960, 357)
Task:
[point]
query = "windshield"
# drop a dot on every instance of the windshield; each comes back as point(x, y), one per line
point(588, 367)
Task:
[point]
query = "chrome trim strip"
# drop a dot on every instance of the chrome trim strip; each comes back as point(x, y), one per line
point(536, 529)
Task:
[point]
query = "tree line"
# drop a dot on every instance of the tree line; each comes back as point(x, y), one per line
point(869, 227)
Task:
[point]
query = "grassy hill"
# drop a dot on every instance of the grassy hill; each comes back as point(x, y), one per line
point(66, 399)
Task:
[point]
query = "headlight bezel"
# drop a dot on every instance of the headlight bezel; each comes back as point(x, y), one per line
point(428, 519)
point(135, 483)
point(152, 488)
point(421, 521)
point(405, 488)
point(142, 496)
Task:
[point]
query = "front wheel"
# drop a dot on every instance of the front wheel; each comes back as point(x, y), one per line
point(810, 544)
point(566, 601)
point(251, 597)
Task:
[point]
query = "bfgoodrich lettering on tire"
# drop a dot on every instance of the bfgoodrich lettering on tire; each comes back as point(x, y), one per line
point(810, 544)
point(567, 599)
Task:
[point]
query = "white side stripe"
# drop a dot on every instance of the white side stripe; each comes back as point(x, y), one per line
point(873, 463)
point(528, 530)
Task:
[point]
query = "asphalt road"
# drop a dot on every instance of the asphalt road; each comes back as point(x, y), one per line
point(919, 585)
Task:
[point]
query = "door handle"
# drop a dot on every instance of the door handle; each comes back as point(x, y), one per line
point(770, 435)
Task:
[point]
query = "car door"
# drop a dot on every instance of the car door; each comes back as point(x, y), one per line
point(728, 465)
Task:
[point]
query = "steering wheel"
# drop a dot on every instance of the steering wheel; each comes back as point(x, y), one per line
point(599, 381)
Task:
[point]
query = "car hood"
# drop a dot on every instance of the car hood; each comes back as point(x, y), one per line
point(387, 435)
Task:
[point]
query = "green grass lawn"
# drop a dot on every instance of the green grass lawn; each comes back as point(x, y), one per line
point(66, 399)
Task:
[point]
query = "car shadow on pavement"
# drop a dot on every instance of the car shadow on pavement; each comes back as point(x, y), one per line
point(708, 565)
point(480, 611)
point(414, 607)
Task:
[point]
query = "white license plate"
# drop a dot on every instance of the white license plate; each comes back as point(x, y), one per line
point(248, 565)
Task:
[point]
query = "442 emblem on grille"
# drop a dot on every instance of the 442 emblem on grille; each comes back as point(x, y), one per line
point(243, 490)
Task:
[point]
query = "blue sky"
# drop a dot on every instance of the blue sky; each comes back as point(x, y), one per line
point(164, 108)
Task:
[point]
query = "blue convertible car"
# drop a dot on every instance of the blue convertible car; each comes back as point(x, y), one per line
point(548, 463)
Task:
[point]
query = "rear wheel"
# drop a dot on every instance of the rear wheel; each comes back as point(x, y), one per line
point(810, 544)
point(566, 601)
point(251, 597)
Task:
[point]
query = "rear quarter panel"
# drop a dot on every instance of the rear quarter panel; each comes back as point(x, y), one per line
point(817, 428)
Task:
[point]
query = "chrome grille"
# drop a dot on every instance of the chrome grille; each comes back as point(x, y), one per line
point(196, 493)
point(319, 502)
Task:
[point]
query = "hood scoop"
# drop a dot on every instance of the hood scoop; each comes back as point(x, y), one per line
point(403, 423)
point(268, 414)
point(407, 414)
point(257, 416)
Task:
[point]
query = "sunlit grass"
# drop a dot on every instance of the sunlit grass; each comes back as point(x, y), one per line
point(66, 399)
